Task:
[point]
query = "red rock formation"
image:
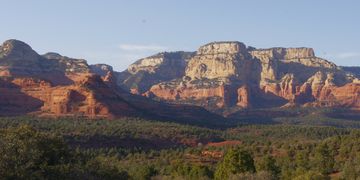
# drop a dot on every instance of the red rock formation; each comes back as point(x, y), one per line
point(193, 93)
point(220, 76)
point(88, 96)
point(347, 96)
point(55, 85)
point(14, 101)
point(222, 72)
point(243, 99)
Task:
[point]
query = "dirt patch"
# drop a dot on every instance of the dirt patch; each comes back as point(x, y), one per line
point(224, 143)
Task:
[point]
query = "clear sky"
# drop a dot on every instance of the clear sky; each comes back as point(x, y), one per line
point(118, 32)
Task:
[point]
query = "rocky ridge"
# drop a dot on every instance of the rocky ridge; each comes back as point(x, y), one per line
point(165, 66)
point(224, 75)
point(52, 84)
point(55, 85)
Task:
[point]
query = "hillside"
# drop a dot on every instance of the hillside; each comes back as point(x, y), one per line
point(56, 85)
point(281, 113)
point(226, 77)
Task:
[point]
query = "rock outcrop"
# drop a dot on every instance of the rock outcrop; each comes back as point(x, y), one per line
point(219, 60)
point(52, 84)
point(223, 75)
point(141, 75)
point(243, 97)
point(55, 85)
point(101, 69)
point(66, 64)
point(88, 96)
point(18, 58)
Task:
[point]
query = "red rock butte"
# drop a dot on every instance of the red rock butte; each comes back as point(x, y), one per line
point(218, 77)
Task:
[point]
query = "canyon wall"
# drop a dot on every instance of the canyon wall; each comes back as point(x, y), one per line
point(223, 75)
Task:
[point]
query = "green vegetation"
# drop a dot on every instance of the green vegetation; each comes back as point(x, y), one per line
point(235, 161)
point(130, 148)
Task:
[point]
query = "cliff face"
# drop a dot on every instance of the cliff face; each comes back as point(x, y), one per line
point(19, 59)
point(66, 64)
point(52, 84)
point(141, 75)
point(223, 75)
point(87, 96)
point(219, 60)
point(207, 80)
point(55, 85)
point(101, 69)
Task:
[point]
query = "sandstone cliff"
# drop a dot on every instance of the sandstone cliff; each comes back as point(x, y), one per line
point(88, 96)
point(219, 60)
point(52, 84)
point(56, 85)
point(224, 75)
point(139, 77)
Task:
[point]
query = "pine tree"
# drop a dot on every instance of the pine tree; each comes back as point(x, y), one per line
point(235, 161)
point(268, 164)
point(324, 161)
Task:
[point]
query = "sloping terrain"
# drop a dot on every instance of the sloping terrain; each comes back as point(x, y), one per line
point(226, 77)
point(55, 85)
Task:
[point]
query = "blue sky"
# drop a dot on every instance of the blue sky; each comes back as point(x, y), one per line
point(119, 32)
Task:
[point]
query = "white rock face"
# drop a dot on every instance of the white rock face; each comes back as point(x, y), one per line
point(221, 73)
point(269, 64)
point(292, 53)
point(284, 53)
point(356, 81)
point(165, 66)
point(153, 63)
point(318, 79)
point(274, 60)
point(147, 64)
point(222, 47)
point(312, 62)
point(219, 60)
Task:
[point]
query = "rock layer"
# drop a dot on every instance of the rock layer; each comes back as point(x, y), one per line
point(55, 85)
point(224, 75)
point(145, 72)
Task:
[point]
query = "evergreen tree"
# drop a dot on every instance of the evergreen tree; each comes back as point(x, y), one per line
point(26, 152)
point(268, 163)
point(235, 161)
point(324, 161)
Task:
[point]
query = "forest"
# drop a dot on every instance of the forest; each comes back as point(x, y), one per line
point(134, 148)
